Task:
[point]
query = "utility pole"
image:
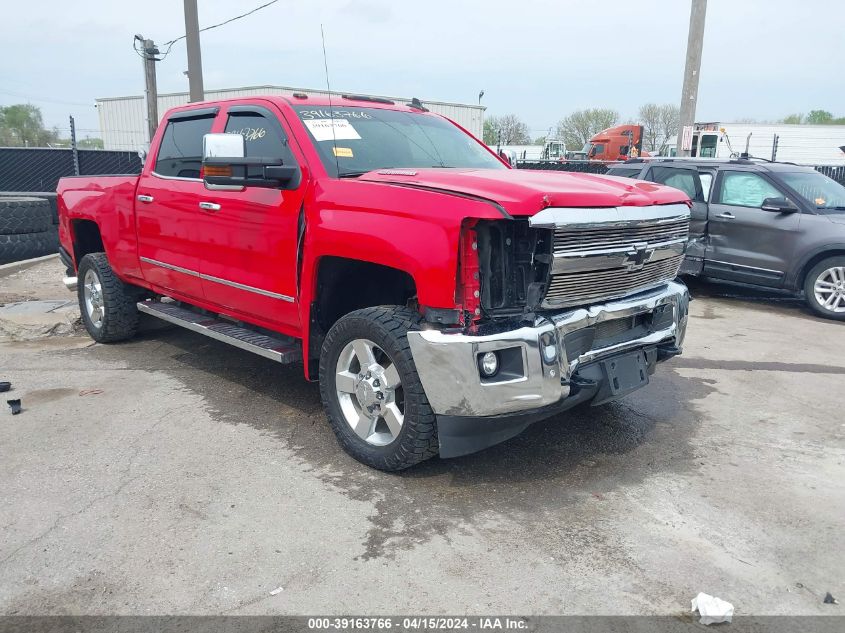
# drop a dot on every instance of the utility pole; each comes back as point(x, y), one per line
point(689, 96)
point(192, 39)
point(74, 150)
point(151, 90)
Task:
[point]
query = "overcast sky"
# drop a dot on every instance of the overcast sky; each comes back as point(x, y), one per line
point(540, 59)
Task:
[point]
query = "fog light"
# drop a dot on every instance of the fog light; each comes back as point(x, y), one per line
point(489, 364)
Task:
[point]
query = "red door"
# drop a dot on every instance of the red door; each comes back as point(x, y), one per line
point(248, 238)
point(166, 205)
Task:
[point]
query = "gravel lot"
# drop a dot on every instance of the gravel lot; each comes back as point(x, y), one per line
point(173, 474)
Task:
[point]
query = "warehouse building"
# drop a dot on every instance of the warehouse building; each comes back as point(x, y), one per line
point(123, 119)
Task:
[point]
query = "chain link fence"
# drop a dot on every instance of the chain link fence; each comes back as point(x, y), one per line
point(36, 169)
point(837, 173)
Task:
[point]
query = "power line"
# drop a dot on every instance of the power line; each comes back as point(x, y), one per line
point(170, 44)
point(43, 99)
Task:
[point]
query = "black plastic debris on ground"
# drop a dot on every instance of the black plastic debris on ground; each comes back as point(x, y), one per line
point(5, 386)
point(829, 599)
point(15, 406)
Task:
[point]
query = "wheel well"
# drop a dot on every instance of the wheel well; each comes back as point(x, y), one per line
point(815, 259)
point(345, 285)
point(86, 239)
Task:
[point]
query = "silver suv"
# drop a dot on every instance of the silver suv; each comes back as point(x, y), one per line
point(775, 225)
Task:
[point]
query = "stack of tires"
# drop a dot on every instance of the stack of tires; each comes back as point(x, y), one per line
point(28, 228)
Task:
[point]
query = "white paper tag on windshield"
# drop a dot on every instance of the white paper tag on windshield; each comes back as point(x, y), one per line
point(322, 129)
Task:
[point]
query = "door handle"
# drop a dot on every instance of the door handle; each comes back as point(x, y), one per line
point(143, 198)
point(209, 206)
point(727, 215)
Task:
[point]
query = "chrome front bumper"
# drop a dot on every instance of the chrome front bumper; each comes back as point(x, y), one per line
point(448, 367)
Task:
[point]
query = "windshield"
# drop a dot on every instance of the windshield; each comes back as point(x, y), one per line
point(355, 140)
point(822, 192)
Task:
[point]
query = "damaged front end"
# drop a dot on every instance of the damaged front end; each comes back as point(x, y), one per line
point(514, 264)
point(558, 313)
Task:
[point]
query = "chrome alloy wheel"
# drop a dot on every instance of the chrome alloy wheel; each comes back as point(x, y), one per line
point(93, 297)
point(370, 392)
point(829, 289)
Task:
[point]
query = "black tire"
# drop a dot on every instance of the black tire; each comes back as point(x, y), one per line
point(119, 301)
point(20, 246)
point(25, 215)
point(387, 327)
point(54, 209)
point(810, 283)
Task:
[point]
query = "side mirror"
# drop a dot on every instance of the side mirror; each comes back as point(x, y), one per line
point(224, 166)
point(223, 146)
point(778, 205)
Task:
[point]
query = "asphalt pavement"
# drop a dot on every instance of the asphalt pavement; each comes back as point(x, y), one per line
point(174, 474)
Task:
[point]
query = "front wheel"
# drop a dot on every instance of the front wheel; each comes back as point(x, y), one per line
point(824, 288)
point(108, 306)
point(371, 390)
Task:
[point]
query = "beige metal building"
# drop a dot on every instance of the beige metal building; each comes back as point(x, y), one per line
point(123, 119)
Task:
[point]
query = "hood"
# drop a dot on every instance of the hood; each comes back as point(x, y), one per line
point(838, 217)
point(525, 191)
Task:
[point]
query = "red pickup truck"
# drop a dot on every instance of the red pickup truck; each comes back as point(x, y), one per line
point(443, 301)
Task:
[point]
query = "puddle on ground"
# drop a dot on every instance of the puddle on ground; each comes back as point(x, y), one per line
point(40, 396)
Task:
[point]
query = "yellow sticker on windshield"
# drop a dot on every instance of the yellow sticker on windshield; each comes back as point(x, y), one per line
point(342, 152)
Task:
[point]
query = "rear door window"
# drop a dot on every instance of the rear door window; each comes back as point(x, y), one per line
point(687, 180)
point(180, 152)
point(745, 189)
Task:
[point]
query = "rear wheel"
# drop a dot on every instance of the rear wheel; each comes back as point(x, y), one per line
point(371, 390)
point(824, 288)
point(108, 306)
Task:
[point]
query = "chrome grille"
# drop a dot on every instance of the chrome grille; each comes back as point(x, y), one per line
point(584, 287)
point(569, 239)
point(609, 252)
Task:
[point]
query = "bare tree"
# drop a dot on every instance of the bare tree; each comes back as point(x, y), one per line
point(660, 123)
point(670, 122)
point(506, 130)
point(650, 117)
point(581, 125)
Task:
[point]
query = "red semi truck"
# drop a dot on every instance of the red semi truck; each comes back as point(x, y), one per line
point(443, 301)
point(616, 143)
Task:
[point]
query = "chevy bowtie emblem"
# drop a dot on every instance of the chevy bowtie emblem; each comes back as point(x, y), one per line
point(638, 256)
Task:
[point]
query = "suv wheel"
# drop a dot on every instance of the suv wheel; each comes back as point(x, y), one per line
point(371, 391)
point(108, 306)
point(824, 288)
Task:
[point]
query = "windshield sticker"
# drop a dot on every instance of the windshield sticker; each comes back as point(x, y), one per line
point(322, 129)
point(343, 152)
